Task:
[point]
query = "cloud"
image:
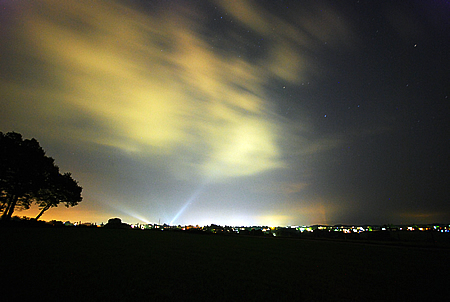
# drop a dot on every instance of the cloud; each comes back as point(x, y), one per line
point(152, 83)
point(293, 38)
point(147, 85)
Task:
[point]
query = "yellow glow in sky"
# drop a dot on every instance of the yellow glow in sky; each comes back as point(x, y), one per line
point(151, 85)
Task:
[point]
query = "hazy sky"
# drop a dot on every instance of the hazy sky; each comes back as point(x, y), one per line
point(235, 112)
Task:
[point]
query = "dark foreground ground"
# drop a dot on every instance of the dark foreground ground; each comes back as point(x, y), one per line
point(76, 264)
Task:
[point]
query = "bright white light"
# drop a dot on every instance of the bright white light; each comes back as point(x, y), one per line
point(188, 202)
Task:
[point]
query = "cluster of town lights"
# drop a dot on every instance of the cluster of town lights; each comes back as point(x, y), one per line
point(302, 229)
point(442, 228)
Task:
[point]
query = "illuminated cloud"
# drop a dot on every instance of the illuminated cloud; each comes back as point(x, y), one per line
point(118, 78)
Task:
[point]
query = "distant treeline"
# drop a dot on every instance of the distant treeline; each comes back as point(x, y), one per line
point(428, 238)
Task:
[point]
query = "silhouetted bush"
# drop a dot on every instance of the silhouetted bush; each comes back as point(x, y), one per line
point(116, 223)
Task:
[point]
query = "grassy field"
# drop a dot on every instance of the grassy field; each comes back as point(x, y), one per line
point(83, 264)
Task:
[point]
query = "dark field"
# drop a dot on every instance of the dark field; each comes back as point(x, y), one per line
point(76, 264)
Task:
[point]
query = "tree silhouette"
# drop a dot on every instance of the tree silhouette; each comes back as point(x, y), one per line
point(61, 189)
point(27, 175)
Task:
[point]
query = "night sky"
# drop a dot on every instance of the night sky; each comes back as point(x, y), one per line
point(235, 112)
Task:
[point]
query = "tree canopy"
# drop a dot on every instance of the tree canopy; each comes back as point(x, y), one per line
point(28, 176)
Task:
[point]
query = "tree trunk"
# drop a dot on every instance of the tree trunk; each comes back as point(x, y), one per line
point(42, 212)
point(8, 205)
point(10, 208)
point(5, 212)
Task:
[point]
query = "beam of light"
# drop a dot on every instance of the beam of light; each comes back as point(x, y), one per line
point(133, 214)
point(117, 206)
point(137, 216)
point(188, 203)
